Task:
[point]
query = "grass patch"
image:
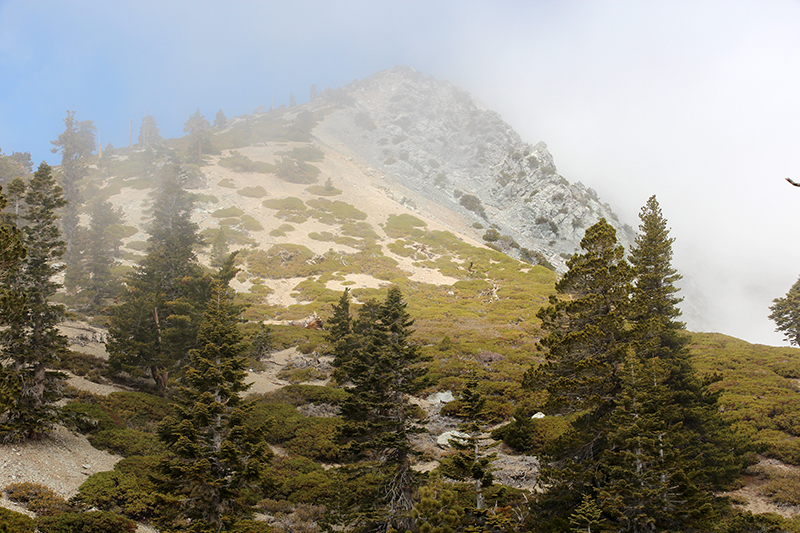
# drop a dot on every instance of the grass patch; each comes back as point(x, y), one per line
point(281, 230)
point(228, 212)
point(324, 190)
point(404, 225)
point(253, 192)
point(327, 210)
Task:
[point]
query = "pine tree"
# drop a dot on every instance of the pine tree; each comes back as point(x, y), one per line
point(155, 325)
point(473, 460)
point(649, 483)
point(220, 120)
point(31, 339)
point(586, 338)
point(76, 144)
point(262, 343)
point(340, 336)
point(588, 518)
point(709, 446)
point(438, 509)
point(585, 345)
point(786, 314)
point(667, 448)
point(219, 248)
point(377, 415)
point(100, 285)
point(218, 457)
point(655, 310)
point(12, 252)
point(199, 136)
point(149, 135)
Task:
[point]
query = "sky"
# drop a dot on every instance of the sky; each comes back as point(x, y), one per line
point(697, 102)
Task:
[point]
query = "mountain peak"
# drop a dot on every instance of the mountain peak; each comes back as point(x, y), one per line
point(437, 140)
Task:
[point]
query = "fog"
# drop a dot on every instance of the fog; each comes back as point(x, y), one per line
point(695, 102)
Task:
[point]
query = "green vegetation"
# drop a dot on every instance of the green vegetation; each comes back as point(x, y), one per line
point(758, 391)
point(232, 211)
point(404, 225)
point(282, 230)
point(241, 163)
point(499, 336)
point(472, 203)
point(30, 340)
point(253, 192)
point(786, 314)
point(216, 454)
point(334, 211)
point(327, 190)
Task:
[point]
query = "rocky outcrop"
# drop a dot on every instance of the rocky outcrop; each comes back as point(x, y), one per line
point(437, 140)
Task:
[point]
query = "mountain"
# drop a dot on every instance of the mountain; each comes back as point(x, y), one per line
point(442, 144)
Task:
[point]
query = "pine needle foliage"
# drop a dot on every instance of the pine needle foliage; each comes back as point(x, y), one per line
point(31, 339)
point(219, 458)
point(786, 314)
point(378, 418)
point(156, 323)
point(646, 447)
point(12, 252)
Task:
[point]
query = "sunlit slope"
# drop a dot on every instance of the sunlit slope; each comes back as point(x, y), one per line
point(310, 221)
point(759, 390)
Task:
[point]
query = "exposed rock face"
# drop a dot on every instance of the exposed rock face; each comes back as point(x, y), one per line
point(435, 139)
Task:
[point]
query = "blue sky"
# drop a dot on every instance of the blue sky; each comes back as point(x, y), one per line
point(697, 102)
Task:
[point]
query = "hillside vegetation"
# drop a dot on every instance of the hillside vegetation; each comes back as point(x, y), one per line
point(340, 207)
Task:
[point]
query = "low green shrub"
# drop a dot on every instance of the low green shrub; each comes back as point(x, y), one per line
point(281, 230)
point(253, 192)
point(139, 246)
point(14, 522)
point(289, 203)
point(90, 522)
point(325, 190)
point(127, 442)
point(127, 489)
point(251, 526)
point(89, 417)
point(403, 225)
point(227, 212)
point(472, 203)
point(249, 223)
point(82, 364)
point(37, 498)
point(531, 435)
point(304, 394)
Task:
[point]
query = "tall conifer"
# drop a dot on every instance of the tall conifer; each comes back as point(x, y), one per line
point(669, 449)
point(12, 252)
point(377, 415)
point(31, 339)
point(155, 325)
point(473, 460)
point(218, 457)
point(585, 344)
point(76, 144)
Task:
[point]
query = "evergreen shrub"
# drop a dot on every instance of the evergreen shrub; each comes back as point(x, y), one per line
point(127, 489)
point(14, 522)
point(90, 522)
point(127, 442)
point(253, 192)
point(226, 212)
point(37, 498)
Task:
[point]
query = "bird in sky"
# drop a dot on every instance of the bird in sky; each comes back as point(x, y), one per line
point(793, 182)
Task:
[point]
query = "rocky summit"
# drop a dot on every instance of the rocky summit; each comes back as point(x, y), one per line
point(438, 141)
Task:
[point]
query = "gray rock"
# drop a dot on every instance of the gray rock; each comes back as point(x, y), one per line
point(435, 139)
